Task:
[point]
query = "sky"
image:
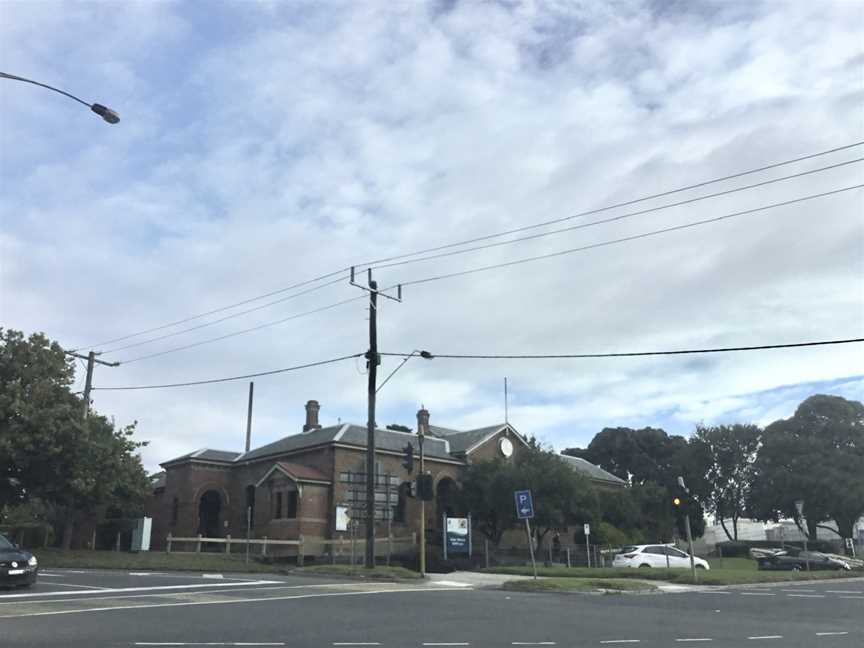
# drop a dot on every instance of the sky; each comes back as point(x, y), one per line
point(266, 144)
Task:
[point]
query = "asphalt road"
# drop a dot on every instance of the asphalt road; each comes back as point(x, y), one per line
point(119, 609)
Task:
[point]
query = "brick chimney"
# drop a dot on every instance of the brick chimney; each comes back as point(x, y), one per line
point(312, 408)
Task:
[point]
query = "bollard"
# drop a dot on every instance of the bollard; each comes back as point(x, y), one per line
point(486, 551)
point(170, 538)
point(264, 547)
point(569, 564)
point(198, 544)
point(228, 544)
point(300, 551)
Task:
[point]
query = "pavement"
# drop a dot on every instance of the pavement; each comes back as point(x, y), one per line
point(92, 608)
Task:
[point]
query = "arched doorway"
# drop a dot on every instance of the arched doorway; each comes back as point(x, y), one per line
point(209, 507)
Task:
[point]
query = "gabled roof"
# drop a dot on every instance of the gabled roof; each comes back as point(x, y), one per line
point(591, 471)
point(296, 472)
point(206, 454)
point(349, 434)
point(464, 441)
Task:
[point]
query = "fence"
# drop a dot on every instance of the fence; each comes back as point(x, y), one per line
point(548, 555)
point(339, 550)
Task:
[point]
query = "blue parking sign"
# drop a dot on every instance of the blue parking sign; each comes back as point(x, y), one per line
point(524, 505)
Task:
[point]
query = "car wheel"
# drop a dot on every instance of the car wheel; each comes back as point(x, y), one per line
point(796, 568)
point(644, 566)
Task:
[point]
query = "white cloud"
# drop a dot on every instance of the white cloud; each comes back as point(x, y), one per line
point(265, 144)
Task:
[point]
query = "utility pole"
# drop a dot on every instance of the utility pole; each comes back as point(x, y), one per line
point(422, 425)
point(372, 362)
point(249, 417)
point(88, 382)
point(687, 528)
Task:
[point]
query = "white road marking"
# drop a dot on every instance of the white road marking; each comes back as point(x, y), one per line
point(209, 643)
point(447, 583)
point(803, 591)
point(757, 594)
point(857, 598)
point(620, 641)
point(831, 634)
point(203, 591)
point(844, 592)
point(212, 576)
point(230, 602)
point(532, 643)
point(711, 592)
point(767, 637)
point(694, 639)
point(41, 574)
point(444, 643)
point(89, 587)
point(806, 595)
point(356, 643)
point(146, 573)
point(120, 590)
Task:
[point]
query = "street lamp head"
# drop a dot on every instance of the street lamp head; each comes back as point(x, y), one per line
point(681, 481)
point(426, 355)
point(105, 113)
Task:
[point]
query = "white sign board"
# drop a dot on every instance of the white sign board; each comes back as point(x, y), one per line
point(141, 534)
point(342, 518)
point(587, 529)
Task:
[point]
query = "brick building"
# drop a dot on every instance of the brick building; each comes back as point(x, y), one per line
point(293, 486)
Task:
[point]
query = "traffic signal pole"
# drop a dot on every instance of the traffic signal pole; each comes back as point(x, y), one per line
point(420, 434)
point(690, 546)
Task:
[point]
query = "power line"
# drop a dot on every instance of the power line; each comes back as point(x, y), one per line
point(483, 238)
point(550, 356)
point(626, 203)
point(613, 219)
point(223, 319)
point(343, 271)
point(241, 332)
point(592, 246)
point(221, 380)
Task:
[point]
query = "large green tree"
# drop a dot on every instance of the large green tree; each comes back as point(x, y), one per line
point(721, 468)
point(48, 449)
point(816, 456)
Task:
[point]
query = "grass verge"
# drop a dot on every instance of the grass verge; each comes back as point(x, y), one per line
point(731, 576)
point(147, 560)
point(578, 585)
point(381, 572)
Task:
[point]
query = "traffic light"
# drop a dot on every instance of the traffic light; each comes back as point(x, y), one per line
point(408, 464)
point(425, 487)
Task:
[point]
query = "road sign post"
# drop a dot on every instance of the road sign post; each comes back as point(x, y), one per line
point(525, 511)
point(587, 529)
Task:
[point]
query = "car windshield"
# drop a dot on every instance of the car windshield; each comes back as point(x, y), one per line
point(4, 543)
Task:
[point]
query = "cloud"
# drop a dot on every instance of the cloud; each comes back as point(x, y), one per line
point(262, 145)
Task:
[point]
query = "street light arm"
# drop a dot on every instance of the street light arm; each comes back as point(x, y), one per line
point(422, 354)
point(104, 112)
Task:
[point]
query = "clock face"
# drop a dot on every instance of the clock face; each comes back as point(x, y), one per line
point(506, 447)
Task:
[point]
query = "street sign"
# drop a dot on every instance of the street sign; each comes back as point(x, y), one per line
point(457, 536)
point(342, 518)
point(524, 505)
point(587, 529)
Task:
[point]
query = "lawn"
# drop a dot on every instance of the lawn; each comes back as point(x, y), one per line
point(380, 572)
point(149, 560)
point(733, 572)
point(578, 585)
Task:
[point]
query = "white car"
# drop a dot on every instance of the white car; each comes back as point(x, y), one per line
point(655, 556)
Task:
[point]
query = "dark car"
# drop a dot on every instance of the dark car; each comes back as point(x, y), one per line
point(17, 566)
point(796, 560)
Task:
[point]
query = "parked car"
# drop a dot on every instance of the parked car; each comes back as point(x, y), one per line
point(18, 567)
point(655, 556)
point(796, 560)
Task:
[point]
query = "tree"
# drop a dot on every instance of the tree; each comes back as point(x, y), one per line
point(721, 466)
point(48, 449)
point(817, 456)
point(561, 496)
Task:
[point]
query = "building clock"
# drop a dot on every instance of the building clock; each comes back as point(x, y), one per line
point(505, 446)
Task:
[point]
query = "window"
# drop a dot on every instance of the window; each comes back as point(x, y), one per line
point(175, 511)
point(291, 506)
point(675, 553)
point(277, 513)
point(659, 551)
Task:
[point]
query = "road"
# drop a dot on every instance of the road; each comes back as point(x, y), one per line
point(121, 609)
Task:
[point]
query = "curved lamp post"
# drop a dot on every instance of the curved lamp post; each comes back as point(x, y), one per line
point(104, 112)
point(415, 352)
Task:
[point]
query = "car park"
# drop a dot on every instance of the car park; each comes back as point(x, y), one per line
point(18, 567)
point(657, 555)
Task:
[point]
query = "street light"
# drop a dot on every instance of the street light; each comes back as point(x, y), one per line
point(103, 111)
point(799, 506)
point(416, 352)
